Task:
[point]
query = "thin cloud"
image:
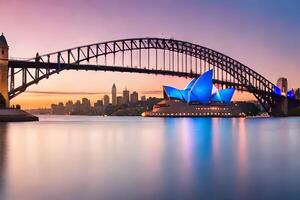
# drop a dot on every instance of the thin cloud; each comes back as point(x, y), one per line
point(154, 92)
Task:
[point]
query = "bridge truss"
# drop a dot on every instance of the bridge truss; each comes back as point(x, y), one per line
point(143, 55)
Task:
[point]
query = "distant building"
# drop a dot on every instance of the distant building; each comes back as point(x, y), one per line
point(143, 98)
point(125, 96)
point(69, 107)
point(119, 100)
point(282, 83)
point(86, 105)
point(99, 103)
point(105, 100)
point(58, 109)
point(114, 95)
point(134, 97)
point(98, 107)
point(76, 107)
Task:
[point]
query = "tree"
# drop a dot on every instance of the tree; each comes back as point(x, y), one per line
point(2, 101)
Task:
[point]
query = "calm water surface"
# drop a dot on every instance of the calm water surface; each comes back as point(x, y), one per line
point(75, 158)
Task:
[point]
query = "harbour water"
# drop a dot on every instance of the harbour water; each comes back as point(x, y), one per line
point(76, 157)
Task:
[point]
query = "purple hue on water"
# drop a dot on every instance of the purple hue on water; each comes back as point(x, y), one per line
point(70, 158)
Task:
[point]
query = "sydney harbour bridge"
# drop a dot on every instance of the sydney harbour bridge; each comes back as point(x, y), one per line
point(141, 55)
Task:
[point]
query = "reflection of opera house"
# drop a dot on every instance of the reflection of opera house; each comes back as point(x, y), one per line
point(200, 98)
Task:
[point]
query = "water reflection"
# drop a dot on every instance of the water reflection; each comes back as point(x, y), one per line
point(3, 149)
point(145, 158)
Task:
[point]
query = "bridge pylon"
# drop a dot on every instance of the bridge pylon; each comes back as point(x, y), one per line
point(4, 72)
point(280, 109)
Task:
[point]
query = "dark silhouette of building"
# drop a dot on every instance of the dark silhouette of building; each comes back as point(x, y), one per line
point(125, 96)
point(105, 100)
point(143, 98)
point(114, 95)
point(134, 97)
point(69, 107)
point(119, 100)
point(98, 107)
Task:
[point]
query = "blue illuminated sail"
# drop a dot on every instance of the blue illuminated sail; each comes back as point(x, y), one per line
point(291, 94)
point(226, 95)
point(216, 97)
point(173, 92)
point(185, 94)
point(276, 90)
point(202, 88)
point(190, 84)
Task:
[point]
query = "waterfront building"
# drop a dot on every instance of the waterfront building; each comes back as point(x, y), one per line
point(177, 108)
point(200, 90)
point(58, 109)
point(125, 96)
point(86, 105)
point(69, 107)
point(282, 83)
point(76, 107)
point(134, 97)
point(105, 100)
point(98, 107)
point(119, 100)
point(114, 95)
point(200, 98)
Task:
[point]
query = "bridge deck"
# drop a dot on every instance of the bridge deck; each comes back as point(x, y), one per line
point(90, 67)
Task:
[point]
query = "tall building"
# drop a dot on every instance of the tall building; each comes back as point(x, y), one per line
point(98, 107)
point(119, 100)
point(105, 100)
point(282, 83)
point(76, 107)
point(85, 105)
point(143, 98)
point(125, 96)
point(114, 95)
point(134, 97)
point(69, 107)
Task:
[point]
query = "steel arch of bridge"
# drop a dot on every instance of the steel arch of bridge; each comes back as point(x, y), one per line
point(171, 57)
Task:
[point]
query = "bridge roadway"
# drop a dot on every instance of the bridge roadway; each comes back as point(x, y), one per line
point(89, 67)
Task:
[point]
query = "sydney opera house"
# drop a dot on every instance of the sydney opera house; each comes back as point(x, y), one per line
point(200, 98)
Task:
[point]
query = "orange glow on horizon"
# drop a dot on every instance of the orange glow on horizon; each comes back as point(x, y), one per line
point(34, 101)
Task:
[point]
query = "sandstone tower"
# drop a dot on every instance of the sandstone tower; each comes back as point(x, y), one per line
point(4, 70)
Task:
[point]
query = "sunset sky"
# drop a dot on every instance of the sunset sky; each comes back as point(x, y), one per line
point(264, 35)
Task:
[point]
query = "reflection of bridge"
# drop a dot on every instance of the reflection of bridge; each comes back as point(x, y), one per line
point(146, 55)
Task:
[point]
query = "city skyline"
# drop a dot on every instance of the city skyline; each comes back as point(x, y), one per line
point(97, 97)
point(265, 39)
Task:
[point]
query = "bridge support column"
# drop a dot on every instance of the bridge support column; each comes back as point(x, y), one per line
point(4, 71)
point(281, 107)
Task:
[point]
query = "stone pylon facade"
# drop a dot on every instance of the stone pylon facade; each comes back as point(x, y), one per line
point(4, 69)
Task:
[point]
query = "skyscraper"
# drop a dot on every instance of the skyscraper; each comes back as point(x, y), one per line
point(105, 100)
point(282, 83)
point(143, 98)
point(114, 95)
point(134, 97)
point(119, 100)
point(125, 96)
